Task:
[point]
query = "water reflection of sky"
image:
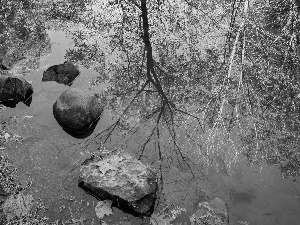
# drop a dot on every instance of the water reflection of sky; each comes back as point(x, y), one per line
point(255, 195)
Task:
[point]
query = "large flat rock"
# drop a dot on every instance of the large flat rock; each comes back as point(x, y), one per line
point(129, 183)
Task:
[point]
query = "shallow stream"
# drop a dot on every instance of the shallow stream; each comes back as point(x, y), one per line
point(48, 157)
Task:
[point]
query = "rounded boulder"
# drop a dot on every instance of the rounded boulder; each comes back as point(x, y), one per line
point(14, 89)
point(76, 110)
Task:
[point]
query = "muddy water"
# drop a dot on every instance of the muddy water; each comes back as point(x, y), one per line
point(49, 158)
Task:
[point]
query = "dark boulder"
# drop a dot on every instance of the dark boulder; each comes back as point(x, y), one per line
point(121, 178)
point(63, 73)
point(3, 67)
point(76, 110)
point(14, 90)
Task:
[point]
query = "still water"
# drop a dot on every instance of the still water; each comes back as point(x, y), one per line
point(48, 157)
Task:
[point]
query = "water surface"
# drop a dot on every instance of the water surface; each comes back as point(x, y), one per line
point(49, 158)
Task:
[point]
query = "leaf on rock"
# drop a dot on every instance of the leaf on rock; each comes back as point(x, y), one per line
point(105, 166)
point(103, 208)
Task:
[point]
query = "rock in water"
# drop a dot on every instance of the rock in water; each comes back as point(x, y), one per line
point(14, 89)
point(121, 178)
point(75, 110)
point(63, 73)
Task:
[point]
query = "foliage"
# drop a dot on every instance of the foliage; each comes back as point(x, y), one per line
point(199, 70)
point(270, 102)
point(192, 73)
point(23, 36)
point(167, 84)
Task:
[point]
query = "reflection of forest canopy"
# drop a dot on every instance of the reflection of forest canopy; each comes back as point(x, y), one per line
point(273, 57)
point(23, 35)
point(195, 70)
point(246, 79)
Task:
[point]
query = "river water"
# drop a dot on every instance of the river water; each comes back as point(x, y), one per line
point(49, 158)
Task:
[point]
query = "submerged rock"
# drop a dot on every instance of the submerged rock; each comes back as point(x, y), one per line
point(63, 73)
point(126, 181)
point(212, 212)
point(14, 90)
point(76, 110)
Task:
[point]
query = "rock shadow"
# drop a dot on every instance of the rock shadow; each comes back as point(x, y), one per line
point(13, 103)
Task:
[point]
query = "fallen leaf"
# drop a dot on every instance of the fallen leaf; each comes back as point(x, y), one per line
point(103, 208)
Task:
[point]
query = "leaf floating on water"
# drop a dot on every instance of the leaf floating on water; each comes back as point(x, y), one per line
point(103, 208)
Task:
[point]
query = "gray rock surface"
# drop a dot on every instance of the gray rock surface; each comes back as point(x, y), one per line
point(121, 178)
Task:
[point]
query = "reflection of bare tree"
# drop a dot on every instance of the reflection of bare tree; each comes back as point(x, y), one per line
point(146, 90)
point(272, 86)
point(151, 56)
point(157, 92)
